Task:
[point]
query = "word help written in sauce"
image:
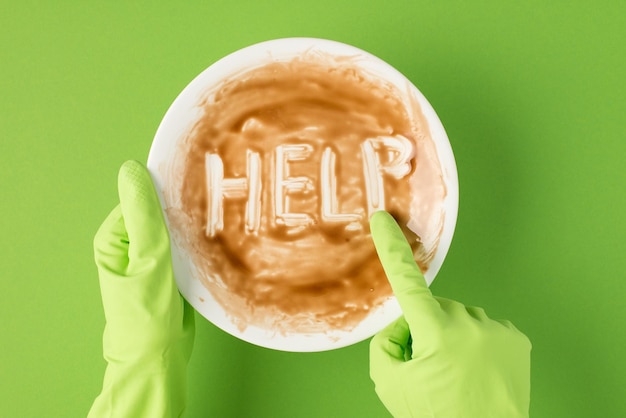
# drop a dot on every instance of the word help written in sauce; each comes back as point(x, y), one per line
point(399, 152)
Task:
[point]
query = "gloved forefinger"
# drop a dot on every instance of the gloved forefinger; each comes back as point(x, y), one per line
point(419, 306)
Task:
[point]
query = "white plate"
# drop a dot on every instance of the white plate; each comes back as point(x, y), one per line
point(209, 292)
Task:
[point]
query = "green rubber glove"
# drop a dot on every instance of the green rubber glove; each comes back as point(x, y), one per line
point(149, 329)
point(443, 359)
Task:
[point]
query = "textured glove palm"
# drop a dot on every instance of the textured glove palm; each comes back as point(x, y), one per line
point(149, 328)
point(443, 359)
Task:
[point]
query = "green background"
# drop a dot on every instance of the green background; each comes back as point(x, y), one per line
point(532, 95)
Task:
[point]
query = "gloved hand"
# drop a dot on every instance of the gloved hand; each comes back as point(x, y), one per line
point(149, 329)
point(443, 359)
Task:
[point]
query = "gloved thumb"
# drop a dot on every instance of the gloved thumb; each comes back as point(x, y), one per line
point(147, 234)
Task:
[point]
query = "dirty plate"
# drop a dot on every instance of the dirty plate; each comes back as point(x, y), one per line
point(268, 166)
